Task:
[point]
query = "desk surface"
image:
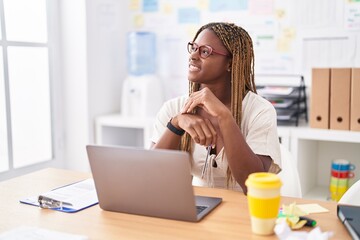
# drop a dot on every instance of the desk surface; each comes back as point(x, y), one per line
point(230, 220)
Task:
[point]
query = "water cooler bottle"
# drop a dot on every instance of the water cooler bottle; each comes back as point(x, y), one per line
point(142, 94)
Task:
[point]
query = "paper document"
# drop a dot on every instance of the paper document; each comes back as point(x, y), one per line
point(270, 90)
point(35, 233)
point(73, 197)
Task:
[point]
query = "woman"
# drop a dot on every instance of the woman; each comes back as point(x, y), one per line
point(227, 128)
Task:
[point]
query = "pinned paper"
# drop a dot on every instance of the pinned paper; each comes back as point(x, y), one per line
point(134, 5)
point(138, 21)
point(150, 5)
point(203, 4)
point(167, 8)
point(229, 5)
point(280, 13)
point(188, 15)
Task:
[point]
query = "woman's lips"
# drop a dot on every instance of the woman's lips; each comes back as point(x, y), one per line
point(193, 68)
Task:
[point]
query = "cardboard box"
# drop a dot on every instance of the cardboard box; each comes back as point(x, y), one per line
point(355, 100)
point(320, 98)
point(340, 81)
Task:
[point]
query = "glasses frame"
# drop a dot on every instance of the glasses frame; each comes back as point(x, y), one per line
point(191, 45)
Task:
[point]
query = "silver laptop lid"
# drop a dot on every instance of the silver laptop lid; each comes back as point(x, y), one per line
point(145, 182)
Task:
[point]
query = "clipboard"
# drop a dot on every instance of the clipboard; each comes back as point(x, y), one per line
point(70, 198)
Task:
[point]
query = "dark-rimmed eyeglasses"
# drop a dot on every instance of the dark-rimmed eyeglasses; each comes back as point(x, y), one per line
point(204, 50)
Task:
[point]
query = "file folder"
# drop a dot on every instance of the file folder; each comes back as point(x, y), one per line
point(355, 100)
point(69, 198)
point(320, 98)
point(340, 98)
point(350, 217)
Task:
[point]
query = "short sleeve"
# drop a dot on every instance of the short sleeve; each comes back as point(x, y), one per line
point(259, 127)
point(168, 110)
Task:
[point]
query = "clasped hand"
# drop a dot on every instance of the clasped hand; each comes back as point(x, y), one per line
point(199, 128)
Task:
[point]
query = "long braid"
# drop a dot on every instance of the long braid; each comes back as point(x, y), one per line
point(186, 139)
point(238, 42)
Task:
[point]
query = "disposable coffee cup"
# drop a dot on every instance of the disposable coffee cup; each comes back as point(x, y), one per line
point(264, 201)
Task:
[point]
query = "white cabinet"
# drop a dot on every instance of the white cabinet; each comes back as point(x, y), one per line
point(312, 149)
point(127, 131)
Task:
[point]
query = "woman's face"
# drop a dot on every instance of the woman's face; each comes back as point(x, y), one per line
point(213, 69)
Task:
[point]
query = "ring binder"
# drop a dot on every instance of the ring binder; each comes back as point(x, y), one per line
point(46, 202)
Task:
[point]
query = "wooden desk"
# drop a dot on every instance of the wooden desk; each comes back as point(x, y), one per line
point(230, 220)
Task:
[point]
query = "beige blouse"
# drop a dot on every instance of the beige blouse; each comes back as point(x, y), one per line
point(259, 127)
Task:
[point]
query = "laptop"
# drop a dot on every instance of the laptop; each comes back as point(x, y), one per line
point(154, 183)
point(350, 217)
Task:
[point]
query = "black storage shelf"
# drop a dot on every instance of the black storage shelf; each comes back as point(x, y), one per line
point(288, 99)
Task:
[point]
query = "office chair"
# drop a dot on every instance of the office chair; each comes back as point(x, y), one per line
point(289, 175)
point(352, 195)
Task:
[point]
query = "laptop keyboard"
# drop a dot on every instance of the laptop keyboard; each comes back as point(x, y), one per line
point(199, 209)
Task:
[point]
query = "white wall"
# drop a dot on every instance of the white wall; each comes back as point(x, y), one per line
point(74, 73)
point(93, 66)
point(106, 57)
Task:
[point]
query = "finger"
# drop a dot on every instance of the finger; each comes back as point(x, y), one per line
point(187, 104)
point(191, 103)
point(200, 134)
point(196, 102)
point(191, 107)
point(193, 135)
point(206, 133)
point(212, 133)
point(186, 107)
point(208, 136)
point(195, 130)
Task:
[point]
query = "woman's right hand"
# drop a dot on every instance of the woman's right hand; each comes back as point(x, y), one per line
point(200, 129)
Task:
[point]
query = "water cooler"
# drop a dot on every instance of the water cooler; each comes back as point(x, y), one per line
point(142, 94)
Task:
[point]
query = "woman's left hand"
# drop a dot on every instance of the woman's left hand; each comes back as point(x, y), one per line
point(206, 100)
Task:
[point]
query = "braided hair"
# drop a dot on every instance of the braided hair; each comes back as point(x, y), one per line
point(238, 42)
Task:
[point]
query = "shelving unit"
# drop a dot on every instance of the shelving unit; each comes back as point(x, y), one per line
point(115, 129)
point(288, 96)
point(312, 149)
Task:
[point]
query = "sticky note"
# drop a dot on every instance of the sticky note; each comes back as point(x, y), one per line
point(312, 208)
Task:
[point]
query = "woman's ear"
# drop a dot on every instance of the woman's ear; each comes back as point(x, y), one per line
point(229, 66)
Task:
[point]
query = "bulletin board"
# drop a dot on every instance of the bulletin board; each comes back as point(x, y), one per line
point(289, 36)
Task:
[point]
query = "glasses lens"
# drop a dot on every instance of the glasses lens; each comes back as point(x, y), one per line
point(205, 51)
point(191, 47)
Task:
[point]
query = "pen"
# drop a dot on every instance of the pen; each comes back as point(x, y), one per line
point(206, 161)
point(309, 222)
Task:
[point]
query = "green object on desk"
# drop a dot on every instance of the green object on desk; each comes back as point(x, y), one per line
point(309, 222)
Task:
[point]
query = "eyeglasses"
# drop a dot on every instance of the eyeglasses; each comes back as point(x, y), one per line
point(204, 50)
